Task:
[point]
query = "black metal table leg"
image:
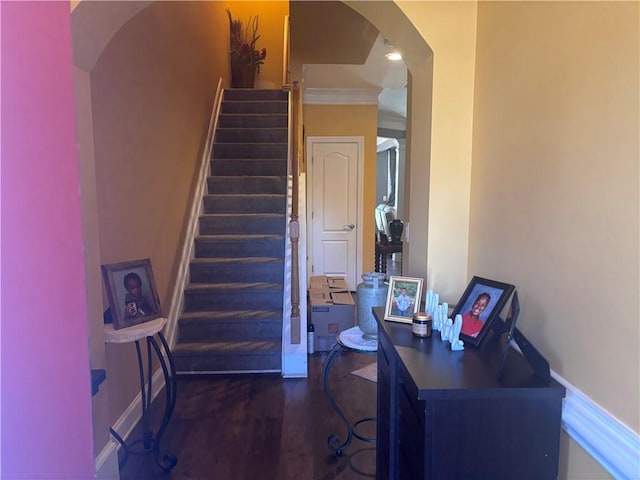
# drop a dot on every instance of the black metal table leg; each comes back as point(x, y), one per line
point(334, 440)
point(166, 461)
point(150, 442)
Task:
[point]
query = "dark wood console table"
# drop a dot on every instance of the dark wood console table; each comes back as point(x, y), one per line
point(443, 415)
point(382, 252)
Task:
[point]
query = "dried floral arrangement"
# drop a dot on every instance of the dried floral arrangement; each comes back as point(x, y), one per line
point(243, 41)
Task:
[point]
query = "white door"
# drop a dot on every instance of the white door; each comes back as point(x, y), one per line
point(335, 170)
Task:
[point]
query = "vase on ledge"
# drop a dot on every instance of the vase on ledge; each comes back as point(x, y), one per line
point(243, 76)
point(395, 228)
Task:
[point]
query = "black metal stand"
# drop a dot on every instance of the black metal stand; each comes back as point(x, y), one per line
point(150, 442)
point(538, 363)
point(334, 440)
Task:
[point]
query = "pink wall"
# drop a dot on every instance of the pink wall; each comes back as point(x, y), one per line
point(46, 394)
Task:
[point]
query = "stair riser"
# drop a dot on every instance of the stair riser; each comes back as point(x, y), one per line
point(255, 94)
point(230, 167)
point(237, 272)
point(246, 248)
point(254, 107)
point(262, 135)
point(238, 120)
point(250, 150)
point(265, 185)
point(228, 363)
point(244, 204)
point(234, 330)
point(242, 226)
point(227, 301)
point(216, 331)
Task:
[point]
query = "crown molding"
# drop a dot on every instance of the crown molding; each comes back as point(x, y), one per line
point(392, 121)
point(341, 96)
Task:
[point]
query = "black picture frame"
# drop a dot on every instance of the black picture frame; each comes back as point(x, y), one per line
point(147, 305)
point(495, 295)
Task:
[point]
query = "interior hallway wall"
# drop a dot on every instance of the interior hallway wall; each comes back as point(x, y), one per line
point(152, 90)
point(555, 190)
point(153, 70)
point(44, 359)
point(351, 121)
point(437, 41)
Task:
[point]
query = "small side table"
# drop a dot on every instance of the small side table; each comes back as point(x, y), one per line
point(382, 252)
point(350, 339)
point(135, 334)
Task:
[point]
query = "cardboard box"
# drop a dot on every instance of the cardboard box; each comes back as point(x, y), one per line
point(332, 310)
point(334, 284)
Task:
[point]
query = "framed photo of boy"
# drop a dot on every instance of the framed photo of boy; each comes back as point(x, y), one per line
point(403, 299)
point(480, 304)
point(131, 291)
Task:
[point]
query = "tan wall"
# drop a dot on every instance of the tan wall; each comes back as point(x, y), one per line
point(91, 253)
point(347, 121)
point(581, 124)
point(152, 91)
point(437, 40)
point(555, 194)
point(449, 28)
point(271, 18)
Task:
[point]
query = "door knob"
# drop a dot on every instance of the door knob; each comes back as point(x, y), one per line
point(350, 227)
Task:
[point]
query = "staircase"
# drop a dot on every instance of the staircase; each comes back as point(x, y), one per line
point(232, 318)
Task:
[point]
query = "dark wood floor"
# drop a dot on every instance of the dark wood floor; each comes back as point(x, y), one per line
point(250, 427)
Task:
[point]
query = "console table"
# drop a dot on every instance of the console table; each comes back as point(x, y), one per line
point(382, 252)
point(147, 331)
point(442, 415)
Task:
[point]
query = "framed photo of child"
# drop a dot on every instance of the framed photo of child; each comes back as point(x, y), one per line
point(131, 291)
point(480, 304)
point(403, 299)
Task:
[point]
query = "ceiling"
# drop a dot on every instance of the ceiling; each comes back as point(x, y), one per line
point(350, 56)
point(337, 48)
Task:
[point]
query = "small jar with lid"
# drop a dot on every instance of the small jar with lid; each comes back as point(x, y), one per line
point(422, 324)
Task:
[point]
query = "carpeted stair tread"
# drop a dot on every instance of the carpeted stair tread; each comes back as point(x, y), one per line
point(245, 195)
point(235, 316)
point(242, 287)
point(266, 107)
point(243, 224)
point(254, 135)
point(232, 317)
point(252, 120)
point(256, 150)
point(262, 184)
point(242, 165)
point(246, 216)
point(227, 348)
point(254, 94)
point(230, 326)
point(227, 260)
point(248, 236)
point(250, 160)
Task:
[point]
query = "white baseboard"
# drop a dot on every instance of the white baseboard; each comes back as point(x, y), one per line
point(107, 467)
point(609, 441)
point(294, 365)
point(106, 463)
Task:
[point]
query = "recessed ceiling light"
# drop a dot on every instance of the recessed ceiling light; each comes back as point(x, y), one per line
point(394, 56)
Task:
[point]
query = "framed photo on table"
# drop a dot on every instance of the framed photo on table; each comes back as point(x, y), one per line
point(131, 291)
point(403, 299)
point(480, 304)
